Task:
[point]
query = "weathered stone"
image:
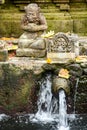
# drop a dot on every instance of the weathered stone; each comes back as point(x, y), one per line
point(2, 44)
point(16, 87)
point(85, 71)
point(61, 1)
point(83, 50)
point(75, 70)
point(10, 24)
point(34, 24)
point(3, 55)
point(81, 98)
point(60, 83)
point(64, 7)
point(79, 26)
point(31, 53)
point(27, 43)
point(84, 65)
point(60, 48)
point(48, 67)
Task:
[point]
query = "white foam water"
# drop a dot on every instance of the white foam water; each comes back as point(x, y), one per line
point(49, 108)
point(2, 116)
point(47, 105)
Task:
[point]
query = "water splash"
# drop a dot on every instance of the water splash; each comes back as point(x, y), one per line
point(47, 104)
point(3, 116)
point(49, 108)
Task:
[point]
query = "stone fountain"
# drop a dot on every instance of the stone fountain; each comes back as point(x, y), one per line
point(36, 55)
point(61, 47)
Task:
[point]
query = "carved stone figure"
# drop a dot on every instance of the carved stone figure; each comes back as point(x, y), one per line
point(34, 24)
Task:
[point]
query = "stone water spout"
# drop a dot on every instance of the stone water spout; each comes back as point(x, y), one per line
point(60, 83)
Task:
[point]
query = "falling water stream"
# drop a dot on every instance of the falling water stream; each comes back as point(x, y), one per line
point(48, 109)
point(63, 120)
point(47, 104)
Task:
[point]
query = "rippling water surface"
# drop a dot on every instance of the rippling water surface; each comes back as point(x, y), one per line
point(23, 123)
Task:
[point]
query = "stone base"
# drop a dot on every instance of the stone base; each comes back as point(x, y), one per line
point(30, 53)
point(61, 56)
point(3, 55)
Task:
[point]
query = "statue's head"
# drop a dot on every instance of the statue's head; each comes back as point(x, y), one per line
point(32, 12)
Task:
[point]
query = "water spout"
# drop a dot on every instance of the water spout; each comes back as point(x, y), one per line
point(60, 83)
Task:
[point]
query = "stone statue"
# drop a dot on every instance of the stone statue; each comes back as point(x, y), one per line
point(34, 24)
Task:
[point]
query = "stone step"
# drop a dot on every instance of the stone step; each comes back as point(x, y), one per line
point(79, 14)
point(78, 6)
point(51, 10)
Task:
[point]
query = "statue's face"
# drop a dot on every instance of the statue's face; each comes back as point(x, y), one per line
point(31, 15)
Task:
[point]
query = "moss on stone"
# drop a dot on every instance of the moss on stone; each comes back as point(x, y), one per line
point(15, 87)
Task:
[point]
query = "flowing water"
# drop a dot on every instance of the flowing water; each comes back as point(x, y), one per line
point(47, 104)
point(63, 118)
point(48, 109)
point(51, 114)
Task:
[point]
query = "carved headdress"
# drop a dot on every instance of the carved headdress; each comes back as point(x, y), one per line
point(32, 7)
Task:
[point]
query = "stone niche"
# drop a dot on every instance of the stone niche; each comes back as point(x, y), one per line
point(61, 48)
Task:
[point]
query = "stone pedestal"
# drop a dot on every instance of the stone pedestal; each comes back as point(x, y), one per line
point(30, 53)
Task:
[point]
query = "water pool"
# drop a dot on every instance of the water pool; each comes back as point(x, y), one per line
point(23, 123)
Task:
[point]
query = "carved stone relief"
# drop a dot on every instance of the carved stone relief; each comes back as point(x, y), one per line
point(60, 43)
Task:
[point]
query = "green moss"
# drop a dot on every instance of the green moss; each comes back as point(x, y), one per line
point(15, 87)
point(74, 20)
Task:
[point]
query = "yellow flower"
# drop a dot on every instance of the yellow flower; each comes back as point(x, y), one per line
point(82, 58)
point(64, 73)
point(49, 34)
point(48, 60)
point(12, 47)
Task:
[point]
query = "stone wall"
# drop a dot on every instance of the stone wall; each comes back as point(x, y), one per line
point(68, 16)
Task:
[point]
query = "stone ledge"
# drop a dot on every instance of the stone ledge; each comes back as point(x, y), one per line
point(31, 53)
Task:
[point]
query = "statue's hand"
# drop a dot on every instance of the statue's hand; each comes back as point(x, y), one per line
point(34, 27)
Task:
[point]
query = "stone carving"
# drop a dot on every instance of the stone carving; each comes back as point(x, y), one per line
point(60, 43)
point(61, 48)
point(34, 24)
